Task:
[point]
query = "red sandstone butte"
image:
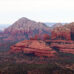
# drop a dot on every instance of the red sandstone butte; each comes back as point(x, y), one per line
point(64, 32)
point(37, 47)
point(61, 33)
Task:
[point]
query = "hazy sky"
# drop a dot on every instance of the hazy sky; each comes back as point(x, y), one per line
point(38, 10)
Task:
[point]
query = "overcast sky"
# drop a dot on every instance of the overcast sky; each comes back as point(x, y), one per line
point(38, 10)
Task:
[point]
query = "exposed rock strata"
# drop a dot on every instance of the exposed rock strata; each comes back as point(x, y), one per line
point(38, 48)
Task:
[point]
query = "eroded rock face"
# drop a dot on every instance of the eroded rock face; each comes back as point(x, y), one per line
point(49, 48)
point(36, 47)
point(62, 46)
point(65, 32)
point(61, 33)
point(71, 27)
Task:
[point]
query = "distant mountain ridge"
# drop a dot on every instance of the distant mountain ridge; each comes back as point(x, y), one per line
point(3, 26)
point(51, 24)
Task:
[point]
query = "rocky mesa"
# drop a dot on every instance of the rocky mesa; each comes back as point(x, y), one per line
point(33, 47)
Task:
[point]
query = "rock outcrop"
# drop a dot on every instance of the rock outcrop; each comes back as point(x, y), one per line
point(61, 33)
point(62, 46)
point(33, 47)
point(71, 27)
point(49, 48)
point(64, 32)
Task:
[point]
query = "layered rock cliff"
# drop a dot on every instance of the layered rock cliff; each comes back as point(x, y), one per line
point(65, 32)
point(33, 47)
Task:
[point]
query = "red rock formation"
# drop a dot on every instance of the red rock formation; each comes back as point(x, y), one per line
point(36, 47)
point(25, 28)
point(71, 27)
point(46, 37)
point(62, 46)
point(65, 32)
point(40, 37)
point(61, 33)
point(36, 37)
